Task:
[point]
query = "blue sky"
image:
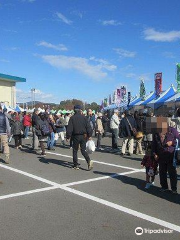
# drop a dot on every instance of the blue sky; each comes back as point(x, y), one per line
point(85, 49)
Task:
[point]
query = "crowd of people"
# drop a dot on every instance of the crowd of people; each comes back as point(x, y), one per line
point(155, 138)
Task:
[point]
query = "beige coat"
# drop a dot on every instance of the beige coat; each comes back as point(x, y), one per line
point(99, 126)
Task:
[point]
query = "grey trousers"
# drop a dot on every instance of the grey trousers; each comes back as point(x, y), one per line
point(35, 141)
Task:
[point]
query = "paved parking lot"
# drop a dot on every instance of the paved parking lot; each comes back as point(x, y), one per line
point(44, 198)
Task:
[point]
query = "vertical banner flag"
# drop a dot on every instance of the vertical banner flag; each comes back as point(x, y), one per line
point(123, 92)
point(142, 90)
point(119, 97)
point(115, 97)
point(110, 102)
point(158, 84)
point(105, 102)
point(102, 105)
point(178, 77)
point(129, 98)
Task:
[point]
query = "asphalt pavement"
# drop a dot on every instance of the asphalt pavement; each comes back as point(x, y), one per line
point(44, 198)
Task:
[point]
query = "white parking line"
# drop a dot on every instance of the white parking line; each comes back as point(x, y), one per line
point(87, 196)
point(123, 209)
point(28, 192)
point(95, 161)
point(100, 178)
point(30, 175)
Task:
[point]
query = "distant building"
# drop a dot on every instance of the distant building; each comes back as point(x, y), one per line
point(8, 89)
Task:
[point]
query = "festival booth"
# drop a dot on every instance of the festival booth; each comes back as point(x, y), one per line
point(173, 102)
point(18, 109)
point(142, 104)
point(134, 101)
point(158, 104)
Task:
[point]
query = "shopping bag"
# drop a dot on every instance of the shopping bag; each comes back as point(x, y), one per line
point(90, 146)
point(56, 136)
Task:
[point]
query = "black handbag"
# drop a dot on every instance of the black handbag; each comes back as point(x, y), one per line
point(177, 153)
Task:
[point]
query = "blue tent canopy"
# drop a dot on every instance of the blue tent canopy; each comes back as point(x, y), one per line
point(19, 109)
point(156, 103)
point(149, 98)
point(135, 101)
point(175, 98)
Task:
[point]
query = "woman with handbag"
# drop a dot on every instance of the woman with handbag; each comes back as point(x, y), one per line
point(163, 145)
point(139, 121)
point(128, 127)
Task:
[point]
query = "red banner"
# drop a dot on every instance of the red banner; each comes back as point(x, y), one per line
point(158, 83)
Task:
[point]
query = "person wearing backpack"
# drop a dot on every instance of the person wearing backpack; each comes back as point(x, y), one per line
point(17, 131)
point(60, 128)
point(43, 132)
point(51, 137)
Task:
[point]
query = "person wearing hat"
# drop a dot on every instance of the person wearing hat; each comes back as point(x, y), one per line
point(114, 125)
point(79, 128)
point(99, 130)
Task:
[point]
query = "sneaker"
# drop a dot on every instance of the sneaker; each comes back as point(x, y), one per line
point(148, 185)
point(76, 167)
point(90, 165)
point(174, 191)
point(6, 161)
point(152, 183)
point(141, 153)
point(43, 154)
point(122, 154)
point(164, 190)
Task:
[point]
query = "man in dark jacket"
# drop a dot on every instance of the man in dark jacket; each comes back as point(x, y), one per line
point(79, 128)
point(126, 126)
point(105, 123)
point(35, 119)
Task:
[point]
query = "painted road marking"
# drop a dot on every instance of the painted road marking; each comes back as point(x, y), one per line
point(123, 209)
point(100, 178)
point(29, 175)
point(28, 192)
point(95, 161)
point(90, 197)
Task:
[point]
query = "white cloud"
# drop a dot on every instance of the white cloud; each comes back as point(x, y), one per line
point(30, 1)
point(25, 96)
point(63, 18)
point(110, 23)
point(168, 55)
point(152, 34)
point(131, 75)
point(124, 53)
point(104, 64)
point(12, 48)
point(4, 61)
point(79, 64)
point(77, 13)
point(59, 47)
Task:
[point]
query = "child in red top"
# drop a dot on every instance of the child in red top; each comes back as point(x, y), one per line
point(151, 167)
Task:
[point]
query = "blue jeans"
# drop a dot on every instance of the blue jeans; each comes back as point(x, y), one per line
point(50, 142)
point(26, 131)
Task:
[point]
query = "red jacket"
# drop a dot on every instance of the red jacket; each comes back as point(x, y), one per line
point(27, 121)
